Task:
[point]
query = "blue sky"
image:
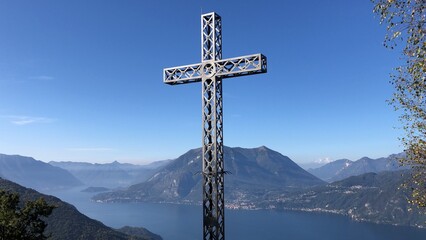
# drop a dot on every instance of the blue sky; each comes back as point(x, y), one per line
point(82, 80)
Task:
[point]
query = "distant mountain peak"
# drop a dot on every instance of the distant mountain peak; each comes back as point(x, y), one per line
point(344, 168)
point(251, 168)
point(34, 173)
point(263, 147)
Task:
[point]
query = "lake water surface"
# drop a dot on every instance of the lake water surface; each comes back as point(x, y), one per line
point(181, 222)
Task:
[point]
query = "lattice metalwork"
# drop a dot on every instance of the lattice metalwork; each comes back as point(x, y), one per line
point(232, 67)
point(211, 71)
point(211, 37)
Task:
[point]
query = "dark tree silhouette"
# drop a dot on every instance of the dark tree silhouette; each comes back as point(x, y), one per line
point(20, 221)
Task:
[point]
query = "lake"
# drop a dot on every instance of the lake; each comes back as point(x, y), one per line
point(182, 222)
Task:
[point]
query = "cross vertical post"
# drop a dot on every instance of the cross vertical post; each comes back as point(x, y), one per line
point(211, 71)
point(213, 170)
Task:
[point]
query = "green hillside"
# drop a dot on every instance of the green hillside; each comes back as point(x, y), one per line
point(66, 222)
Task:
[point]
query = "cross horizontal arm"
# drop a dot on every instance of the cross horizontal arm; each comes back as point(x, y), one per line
point(182, 74)
point(241, 66)
point(226, 68)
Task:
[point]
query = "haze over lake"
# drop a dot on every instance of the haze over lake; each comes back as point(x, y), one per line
point(182, 222)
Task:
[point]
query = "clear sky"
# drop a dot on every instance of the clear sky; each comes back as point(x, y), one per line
point(82, 80)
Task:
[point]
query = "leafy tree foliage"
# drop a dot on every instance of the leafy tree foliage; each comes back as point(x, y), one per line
point(405, 20)
point(22, 222)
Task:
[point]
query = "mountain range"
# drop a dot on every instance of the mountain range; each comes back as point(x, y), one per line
point(264, 179)
point(372, 197)
point(259, 178)
point(250, 170)
point(66, 222)
point(109, 175)
point(35, 174)
point(345, 168)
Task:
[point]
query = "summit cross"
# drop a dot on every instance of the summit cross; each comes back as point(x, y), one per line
point(211, 71)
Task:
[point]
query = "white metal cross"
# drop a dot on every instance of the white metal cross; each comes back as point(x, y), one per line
point(210, 72)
